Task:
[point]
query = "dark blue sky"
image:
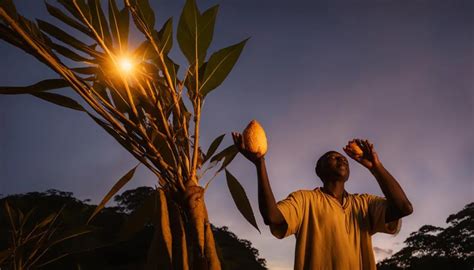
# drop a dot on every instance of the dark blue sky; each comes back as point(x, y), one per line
point(315, 74)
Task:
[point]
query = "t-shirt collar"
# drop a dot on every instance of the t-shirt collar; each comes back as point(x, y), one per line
point(345, 196)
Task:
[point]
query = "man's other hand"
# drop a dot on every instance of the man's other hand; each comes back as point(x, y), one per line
point(368, 158)
point(239, 143)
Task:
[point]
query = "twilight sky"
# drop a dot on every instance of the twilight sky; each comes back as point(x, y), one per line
point(315, 74)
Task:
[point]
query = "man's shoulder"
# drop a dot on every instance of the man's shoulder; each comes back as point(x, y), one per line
point(364, 199)
point(360, 195)
point(364, 195)
point(303, 194)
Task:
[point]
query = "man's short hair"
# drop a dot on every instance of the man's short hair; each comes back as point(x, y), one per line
point(319, 164)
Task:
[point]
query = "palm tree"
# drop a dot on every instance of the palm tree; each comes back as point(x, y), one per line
point(138, 98)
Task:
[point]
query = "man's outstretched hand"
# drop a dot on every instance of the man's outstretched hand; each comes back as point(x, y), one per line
point(368, 157)
point(239, 143)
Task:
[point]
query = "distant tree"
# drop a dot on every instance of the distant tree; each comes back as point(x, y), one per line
point(434, 247)
point(106, 247)
point(237, 253)
point(130, 200)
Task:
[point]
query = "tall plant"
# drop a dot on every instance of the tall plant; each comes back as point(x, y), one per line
point(138, 98)
point(30, 244)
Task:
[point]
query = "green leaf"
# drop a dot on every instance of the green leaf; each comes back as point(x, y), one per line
point(146, 13)
point(228, 159)
point(172, 68)
point(9, 7)
point(226, 152)
point(59, 100)
point(165, 37)
point(66, 52)
point(101, 90)
point(159, 141)
point(195, 32)
point(124, 26)
point(13, 38)
point(145, 51)
point(207, 23)
point(186, 30)
point(240, 199)
point(66, 38)
point(213, 147)
point(120, 183)
point(190, 79)
point(41, 86)
point(219, 66)
point(114, 22)
point(31, 27)
point(99, 22)
point(71, 7)
point(57, 13)
point(119, 25)
point(187, 35)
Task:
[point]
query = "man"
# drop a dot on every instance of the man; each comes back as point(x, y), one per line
point(333, 228)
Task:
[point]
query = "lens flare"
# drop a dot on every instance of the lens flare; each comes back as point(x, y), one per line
point(125, 65)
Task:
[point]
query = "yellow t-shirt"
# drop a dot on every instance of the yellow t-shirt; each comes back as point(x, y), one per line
point(330, 235)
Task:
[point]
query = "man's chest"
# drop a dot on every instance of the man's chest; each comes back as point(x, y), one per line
point(350, 217)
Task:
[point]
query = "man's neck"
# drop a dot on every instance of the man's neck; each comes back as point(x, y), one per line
point(335, 189)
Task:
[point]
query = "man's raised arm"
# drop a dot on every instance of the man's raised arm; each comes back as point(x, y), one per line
point(266, 201)
point(398, 204)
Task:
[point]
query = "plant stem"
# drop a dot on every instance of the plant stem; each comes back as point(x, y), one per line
point(197, 118)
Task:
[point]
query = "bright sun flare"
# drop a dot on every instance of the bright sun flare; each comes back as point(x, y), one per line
point(125, 65)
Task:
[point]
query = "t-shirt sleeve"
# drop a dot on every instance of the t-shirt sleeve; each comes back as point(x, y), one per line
point(377, 208)
point(292, 209)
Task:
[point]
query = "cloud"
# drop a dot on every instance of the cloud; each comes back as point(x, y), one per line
point(382, 253)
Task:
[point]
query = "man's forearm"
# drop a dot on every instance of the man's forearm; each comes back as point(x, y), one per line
point(399, 204)
point(266, 200)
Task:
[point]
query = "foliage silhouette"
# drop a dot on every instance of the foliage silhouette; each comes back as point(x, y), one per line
point(434, 247)
point(103, 248)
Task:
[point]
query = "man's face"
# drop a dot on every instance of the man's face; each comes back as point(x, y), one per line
point(336, 165)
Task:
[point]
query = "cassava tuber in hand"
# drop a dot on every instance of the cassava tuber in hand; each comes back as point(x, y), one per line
point(252, 143)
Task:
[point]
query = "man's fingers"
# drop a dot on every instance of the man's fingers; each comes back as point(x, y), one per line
point(349, 153)
point(366, 146)
point(237, 137)
point(234, 137)
point(345, 150)
point(241, 141)
point(374, 153)
point(360, 144)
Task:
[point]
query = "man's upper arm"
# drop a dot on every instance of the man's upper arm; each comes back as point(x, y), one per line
point(279, 230)
point(292, 210)
point(382, 218)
